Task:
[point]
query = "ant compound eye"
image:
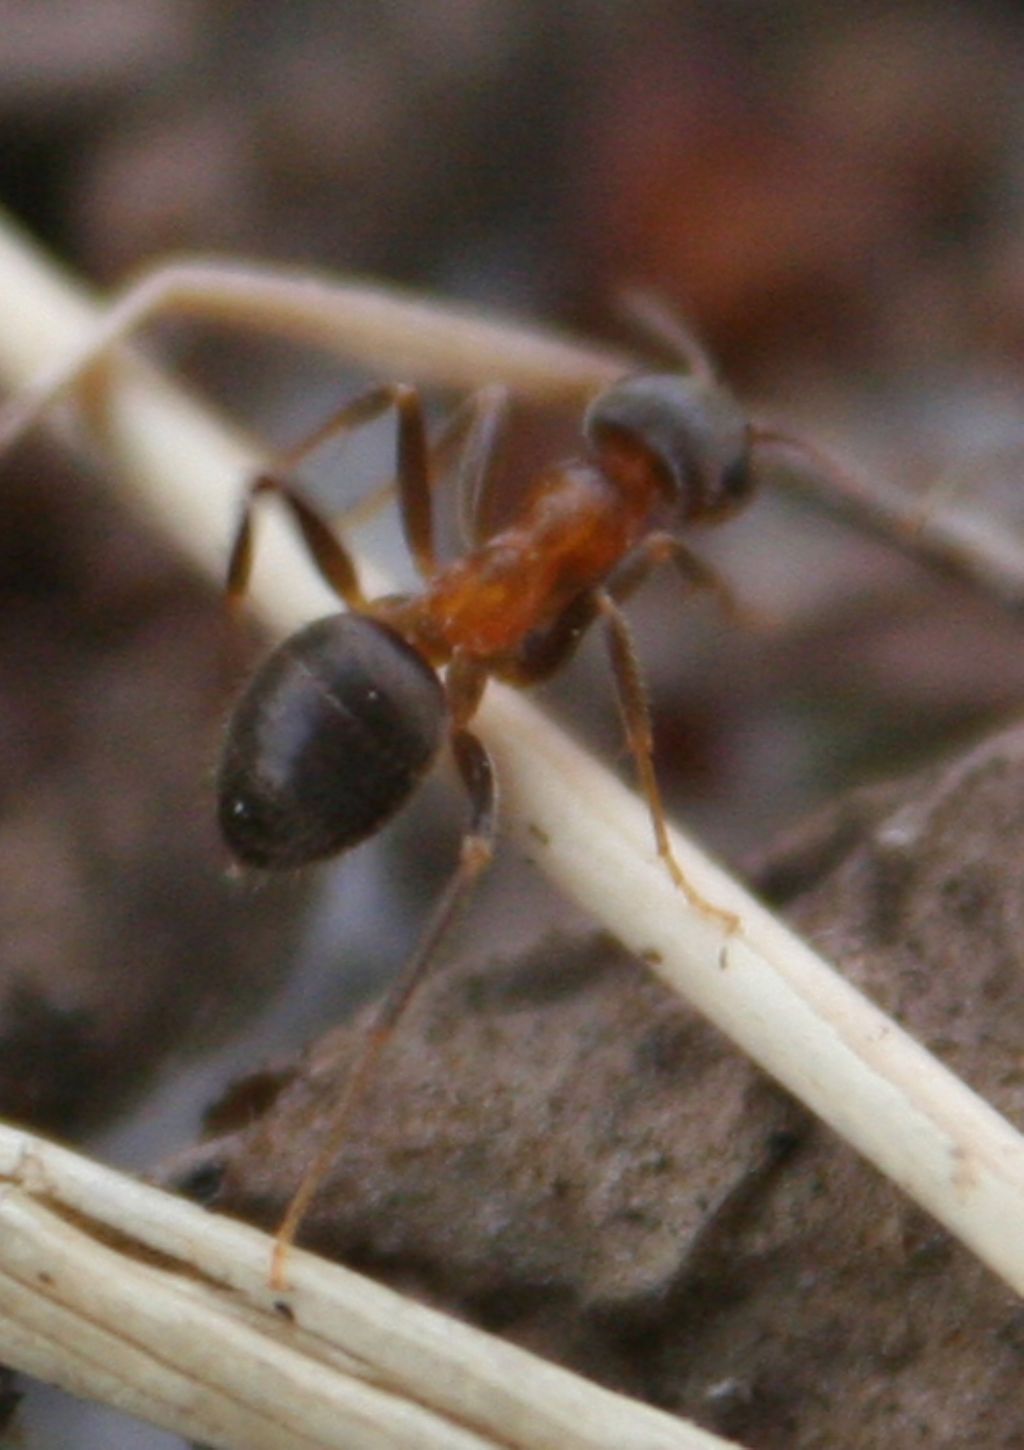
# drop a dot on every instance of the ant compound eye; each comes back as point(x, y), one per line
point(689, 429)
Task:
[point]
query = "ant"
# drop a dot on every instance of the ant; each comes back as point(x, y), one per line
point(342, 721)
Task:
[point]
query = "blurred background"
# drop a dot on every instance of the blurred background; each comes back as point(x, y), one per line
point(836, 204)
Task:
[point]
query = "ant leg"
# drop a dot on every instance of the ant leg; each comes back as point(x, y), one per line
point(329, 554)
point(475, 427)
point(547, 650)
point(663, 548)
point(388, 331)
point(637, 721)
point(413, 471)
point(333, 561)
point(417, 467)
point(477, 772)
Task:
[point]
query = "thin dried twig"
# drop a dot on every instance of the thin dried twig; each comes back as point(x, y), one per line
point(761, 985)
point(963, 543)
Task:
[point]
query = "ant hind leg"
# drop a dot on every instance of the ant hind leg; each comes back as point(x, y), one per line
point(477, 772)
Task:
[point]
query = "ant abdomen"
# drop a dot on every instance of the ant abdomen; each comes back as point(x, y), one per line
point(334, 732)
point(689, 427)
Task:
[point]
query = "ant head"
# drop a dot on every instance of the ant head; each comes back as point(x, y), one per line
point(689, 428)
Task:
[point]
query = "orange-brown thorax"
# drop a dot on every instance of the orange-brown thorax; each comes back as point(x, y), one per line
point(576, 524)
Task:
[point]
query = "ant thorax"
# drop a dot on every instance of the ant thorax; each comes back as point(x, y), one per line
point(574, 529)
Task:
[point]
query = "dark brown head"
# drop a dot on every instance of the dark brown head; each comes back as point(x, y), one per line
point(689, 429)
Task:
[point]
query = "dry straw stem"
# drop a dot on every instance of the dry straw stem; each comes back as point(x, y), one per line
point(128, 1295)
point(761, 985)
point(123, 1294)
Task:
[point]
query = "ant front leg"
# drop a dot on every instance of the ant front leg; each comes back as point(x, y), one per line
point(665, 548)
point(464, 687)
point(636, 719)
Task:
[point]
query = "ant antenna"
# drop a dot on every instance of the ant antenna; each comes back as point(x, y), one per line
point(659, 325)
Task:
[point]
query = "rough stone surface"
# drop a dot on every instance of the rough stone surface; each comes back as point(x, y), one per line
point(557, 1150)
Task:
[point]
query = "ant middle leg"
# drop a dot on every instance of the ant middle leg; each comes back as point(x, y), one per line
point(636, 719)
point(474, 427)
point(476, 770)
point(485, 417)
point(413, 471)
point(332, 559)
point(472, 431)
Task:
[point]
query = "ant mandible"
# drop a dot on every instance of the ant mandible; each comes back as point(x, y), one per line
point(342, 721)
